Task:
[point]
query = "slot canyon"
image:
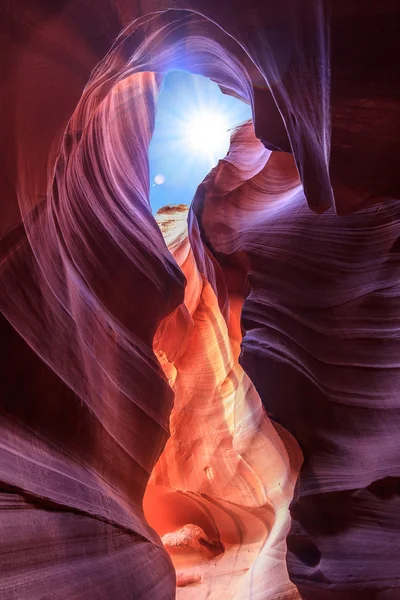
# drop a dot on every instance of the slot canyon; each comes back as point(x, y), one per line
point(201, 403)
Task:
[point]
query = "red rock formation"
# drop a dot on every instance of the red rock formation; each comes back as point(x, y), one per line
point(88, 288)
point(324, 297)
point(219, 493)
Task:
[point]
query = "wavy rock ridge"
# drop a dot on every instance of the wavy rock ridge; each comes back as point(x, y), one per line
point(225, 470)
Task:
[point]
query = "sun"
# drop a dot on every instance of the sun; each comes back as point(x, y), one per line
point(207, 134)
point(193, 126)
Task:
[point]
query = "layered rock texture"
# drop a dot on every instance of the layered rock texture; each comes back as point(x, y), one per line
point(205, 404)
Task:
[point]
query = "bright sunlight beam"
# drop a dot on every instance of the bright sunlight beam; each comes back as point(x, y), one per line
point(207, 134)
point(193, 125)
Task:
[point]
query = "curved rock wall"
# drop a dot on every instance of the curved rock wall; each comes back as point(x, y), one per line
point(321, 344)
point(225, 469)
